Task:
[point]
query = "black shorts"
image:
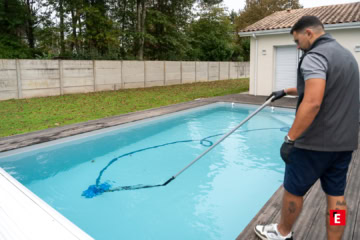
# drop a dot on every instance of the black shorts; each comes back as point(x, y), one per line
point(307, 166)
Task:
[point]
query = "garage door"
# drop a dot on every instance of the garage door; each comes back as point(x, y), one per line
point(285, 67)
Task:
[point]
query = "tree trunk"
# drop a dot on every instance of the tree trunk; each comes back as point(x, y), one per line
point(62, 28)
point(88, 39)
point(140, 27)
point(30, 26)
point(6, 6)
point(74, 43)
point(124, 15)
point(81, 45)
point(142, 38)
point(123, 28)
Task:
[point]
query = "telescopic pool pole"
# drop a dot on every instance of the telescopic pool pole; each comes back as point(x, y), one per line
point(215, 144)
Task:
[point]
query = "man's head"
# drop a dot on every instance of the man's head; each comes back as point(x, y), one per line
point(306, 30)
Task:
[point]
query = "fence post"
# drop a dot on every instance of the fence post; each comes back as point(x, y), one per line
point(195, 71)
point(237, 70)
point(94, 74)
point(164, 72)
point(18, 78)
point(122, 77)
point(229, 70)
point(219, 72)
point(181, 72)
point(61, 75)
point(208, 72)
point(144, 74)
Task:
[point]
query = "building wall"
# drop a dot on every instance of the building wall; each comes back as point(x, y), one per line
point(265, 72)
point(40, 78)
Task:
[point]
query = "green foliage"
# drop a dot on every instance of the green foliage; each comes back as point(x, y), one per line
point(12, 20)
point(109, 29)
point(12, 48)
point(164, 39)
point(211, 36)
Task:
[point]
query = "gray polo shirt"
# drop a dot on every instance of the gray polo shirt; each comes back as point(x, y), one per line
point(314, 66)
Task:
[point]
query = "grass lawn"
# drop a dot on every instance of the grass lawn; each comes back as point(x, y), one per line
point(27, 115)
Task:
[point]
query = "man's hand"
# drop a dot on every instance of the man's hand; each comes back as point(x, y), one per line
point(277, 95)
point(286, 149)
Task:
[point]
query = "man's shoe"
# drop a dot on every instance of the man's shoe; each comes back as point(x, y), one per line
point(270, 232)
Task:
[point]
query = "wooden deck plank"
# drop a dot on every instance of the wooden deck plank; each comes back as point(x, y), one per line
point(316, 227)
point(356, 231)
point(352, 194)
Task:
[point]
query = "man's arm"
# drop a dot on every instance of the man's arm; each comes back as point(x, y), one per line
point(291, 91)
point(309, 107)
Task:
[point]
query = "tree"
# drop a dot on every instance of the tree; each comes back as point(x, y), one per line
point(117, 29)
point(33, 9)
point(166, 38)
point(12, 31)
point(211, 36)
point(99, 33)
point(75, 7)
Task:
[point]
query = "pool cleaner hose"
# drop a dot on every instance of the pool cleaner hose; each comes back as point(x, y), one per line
point(100, 188)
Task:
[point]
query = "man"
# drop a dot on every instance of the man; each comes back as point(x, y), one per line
point(320, 142)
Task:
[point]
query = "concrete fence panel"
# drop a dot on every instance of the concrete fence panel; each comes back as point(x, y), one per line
point(244, 69)
point(77, 77)
point(188, 72)
point(39, 78)
point(133, 74)
point(202, 71)
point(107, 75)
point(214, 71)
point(8, 79)
point(234, 70)
point(154, 73)
point(224, 70)
point(172, 73)
point(36, 78)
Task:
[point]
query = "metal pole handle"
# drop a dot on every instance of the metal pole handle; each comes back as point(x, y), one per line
point(219, 141)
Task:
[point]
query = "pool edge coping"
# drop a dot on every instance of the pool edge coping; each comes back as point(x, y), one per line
point(50, 219)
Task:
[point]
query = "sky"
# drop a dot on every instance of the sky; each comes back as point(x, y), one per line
point(239, 4)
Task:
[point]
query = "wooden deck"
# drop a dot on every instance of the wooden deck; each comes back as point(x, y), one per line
point(311, 222)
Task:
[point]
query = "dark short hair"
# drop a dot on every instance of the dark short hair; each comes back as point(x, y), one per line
point(306, 22)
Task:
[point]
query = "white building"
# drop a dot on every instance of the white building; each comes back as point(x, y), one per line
point(273, 53)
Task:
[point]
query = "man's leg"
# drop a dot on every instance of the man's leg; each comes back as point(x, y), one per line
point(334, 203)
point(290, 210)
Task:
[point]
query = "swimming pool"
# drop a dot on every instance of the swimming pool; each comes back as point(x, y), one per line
point(214, 199)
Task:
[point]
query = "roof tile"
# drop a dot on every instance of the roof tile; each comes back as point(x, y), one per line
point(332, 14)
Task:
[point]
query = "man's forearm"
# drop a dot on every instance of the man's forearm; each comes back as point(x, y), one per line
point(304, 117)
point(291, 91)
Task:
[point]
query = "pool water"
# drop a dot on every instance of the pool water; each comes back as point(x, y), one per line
point(214, 199)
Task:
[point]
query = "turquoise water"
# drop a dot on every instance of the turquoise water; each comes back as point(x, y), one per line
point(214, 199)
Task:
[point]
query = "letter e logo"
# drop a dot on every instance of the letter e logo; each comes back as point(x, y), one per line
point(338, 217)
